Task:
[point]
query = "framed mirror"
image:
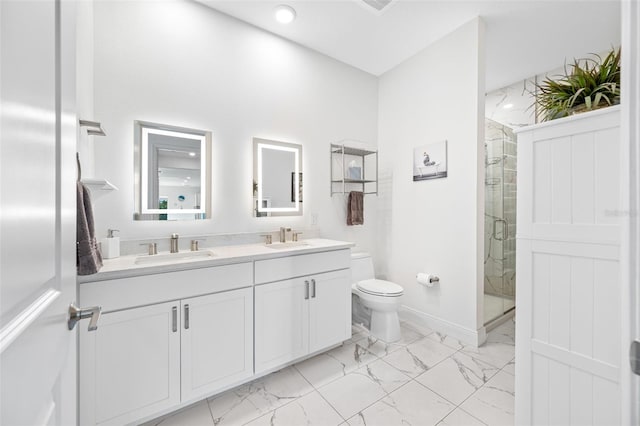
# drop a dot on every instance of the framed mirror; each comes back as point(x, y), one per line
point(172, 172)
point(277, 178)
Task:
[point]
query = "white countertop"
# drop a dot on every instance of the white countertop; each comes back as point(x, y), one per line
point(126, 266)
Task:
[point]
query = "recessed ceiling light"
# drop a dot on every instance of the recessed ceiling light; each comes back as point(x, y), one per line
point(192, 154)
point(285, 14)
point(508, 106)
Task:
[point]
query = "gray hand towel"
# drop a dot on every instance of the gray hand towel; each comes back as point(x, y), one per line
point(88, 257)
point(355, 208)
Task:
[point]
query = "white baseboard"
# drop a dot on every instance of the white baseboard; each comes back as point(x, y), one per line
point(465, 335)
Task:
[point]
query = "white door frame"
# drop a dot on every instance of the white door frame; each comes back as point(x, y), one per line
point(630, 213)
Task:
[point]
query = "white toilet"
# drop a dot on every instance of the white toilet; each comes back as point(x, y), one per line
point(375, 302)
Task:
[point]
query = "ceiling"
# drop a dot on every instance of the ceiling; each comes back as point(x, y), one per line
point(523, 37)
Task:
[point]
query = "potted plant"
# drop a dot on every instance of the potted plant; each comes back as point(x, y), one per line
point(592, 83)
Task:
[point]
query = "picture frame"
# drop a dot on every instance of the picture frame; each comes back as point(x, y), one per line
point(430, 161)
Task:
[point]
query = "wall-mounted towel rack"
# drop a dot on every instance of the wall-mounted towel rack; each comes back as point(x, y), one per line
point(101, 184)
point(361, 178)
point(94, 128)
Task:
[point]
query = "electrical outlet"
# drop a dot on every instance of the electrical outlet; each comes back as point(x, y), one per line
point(314, 219)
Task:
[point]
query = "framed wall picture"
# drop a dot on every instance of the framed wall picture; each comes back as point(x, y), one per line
point(430, 161)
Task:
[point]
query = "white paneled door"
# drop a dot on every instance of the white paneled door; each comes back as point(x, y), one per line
point(37, 208)
point(568, 351)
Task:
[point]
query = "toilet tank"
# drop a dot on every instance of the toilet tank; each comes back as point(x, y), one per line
point(361, 267)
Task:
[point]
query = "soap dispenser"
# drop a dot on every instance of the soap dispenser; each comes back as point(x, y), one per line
point(110, 245)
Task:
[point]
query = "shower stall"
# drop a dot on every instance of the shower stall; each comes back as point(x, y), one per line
point(499, 221)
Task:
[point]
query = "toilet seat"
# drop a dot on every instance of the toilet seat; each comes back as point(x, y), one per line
point(379, 288)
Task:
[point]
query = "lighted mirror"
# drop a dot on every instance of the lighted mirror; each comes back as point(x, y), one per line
point(172, 172)
point(277, 178)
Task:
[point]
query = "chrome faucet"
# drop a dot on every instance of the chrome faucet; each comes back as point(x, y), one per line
point(174, 243)
point(283, 234)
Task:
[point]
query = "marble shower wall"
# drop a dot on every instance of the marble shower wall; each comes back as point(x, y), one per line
point(500, 210)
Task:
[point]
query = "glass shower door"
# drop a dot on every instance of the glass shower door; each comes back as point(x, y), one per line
point(500, 220)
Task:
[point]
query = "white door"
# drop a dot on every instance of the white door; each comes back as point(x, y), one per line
point(217, 341)
point(130, 365)
point(630, 82)
point(329, 309)
point(568, 355)
point(281, 322)
point(37, 208)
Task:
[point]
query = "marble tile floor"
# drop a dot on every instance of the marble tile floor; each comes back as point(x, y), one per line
point(424, 379)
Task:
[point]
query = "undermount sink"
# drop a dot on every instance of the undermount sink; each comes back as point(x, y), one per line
point(175, 257)
point(288, 244)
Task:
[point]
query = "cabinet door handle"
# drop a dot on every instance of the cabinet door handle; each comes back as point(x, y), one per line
point(174, 315)
point(313, 289)
point(186, 316)
point(306, 290)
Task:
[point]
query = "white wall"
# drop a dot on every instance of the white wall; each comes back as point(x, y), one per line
point(84, 83)
point(181, 63)
point(435, 226)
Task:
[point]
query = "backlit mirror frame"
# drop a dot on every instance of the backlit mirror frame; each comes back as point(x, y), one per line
point(142, 130)
point(258, 206)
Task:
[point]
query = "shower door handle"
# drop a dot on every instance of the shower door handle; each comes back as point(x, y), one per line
point(505, 229)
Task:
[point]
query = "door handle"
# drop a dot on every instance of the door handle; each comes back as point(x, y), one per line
point(186, 316)
point(634, 357)
point(174, 319)
point(313, 289)
point(505, 229)
point(76, 314)
point(306, 289)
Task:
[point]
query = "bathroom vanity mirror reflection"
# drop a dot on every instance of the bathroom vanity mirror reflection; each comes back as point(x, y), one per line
point(277, 178)
point(172, 172)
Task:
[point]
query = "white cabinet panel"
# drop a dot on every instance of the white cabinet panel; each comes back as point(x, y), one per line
point(581, 398)
point(606, 402)
point(293, 319)
point(559, 393)
point(541, 277)
point(123, 293)
point(217, 341)
point(282, 323)
point(560, 194)
point(329, 310)
point(130, 366)
point(606, 312)
point(559, 303)
point(607, 188)
point(581, 320)
point(541, 182)
point(583, 178)
point(283, 268)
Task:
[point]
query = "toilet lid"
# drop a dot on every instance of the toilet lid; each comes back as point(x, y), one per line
point(380, 287)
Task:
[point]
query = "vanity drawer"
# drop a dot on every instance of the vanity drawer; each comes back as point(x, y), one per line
point(283, 268)
point(142, 290)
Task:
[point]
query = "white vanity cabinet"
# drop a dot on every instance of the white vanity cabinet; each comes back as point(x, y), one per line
point(144, 360)
point(130, 366)
point(168, 338)
point(299, 307)
point(216, 341)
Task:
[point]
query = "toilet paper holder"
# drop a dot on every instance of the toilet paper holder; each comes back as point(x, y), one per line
point(427, 279)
